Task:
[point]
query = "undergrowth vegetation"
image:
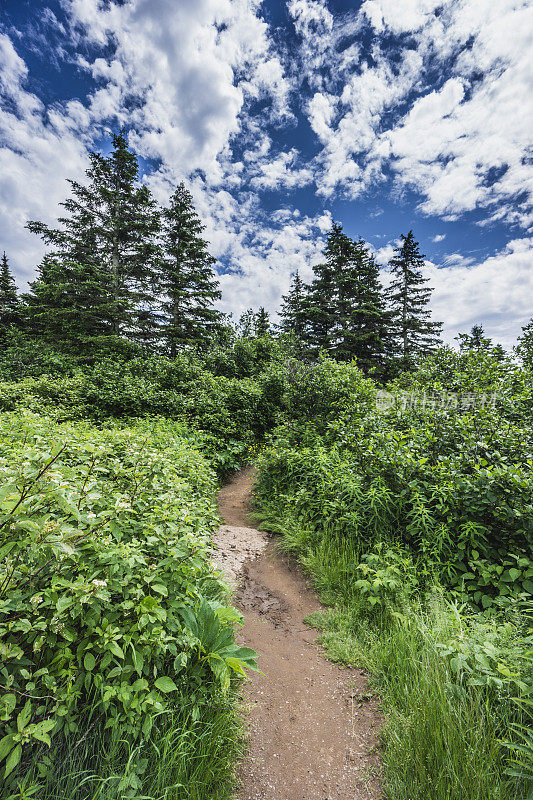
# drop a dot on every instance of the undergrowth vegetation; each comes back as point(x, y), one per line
point(416, 523)
point(116, 642)
point(411, 509)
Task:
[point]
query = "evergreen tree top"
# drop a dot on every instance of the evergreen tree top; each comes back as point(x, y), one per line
point(8, 288)
point(9, 301)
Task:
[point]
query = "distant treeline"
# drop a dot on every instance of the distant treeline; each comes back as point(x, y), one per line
point(124, 275)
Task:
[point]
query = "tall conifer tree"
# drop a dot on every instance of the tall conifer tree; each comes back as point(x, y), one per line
point(362, 317)
point(105, 253)
point(186, 278)
point(246, 324)
point(345, 305)
point(9, 300)
point(322, 295)
point(68, 304)
point(262, 323)
point(409, 297)
point(475, 340)
point(293, 312)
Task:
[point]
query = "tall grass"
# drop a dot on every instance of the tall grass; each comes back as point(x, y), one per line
point(185, 758)
point(444, 736)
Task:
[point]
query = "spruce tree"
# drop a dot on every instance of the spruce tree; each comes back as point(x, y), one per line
point(9, 300)
point(320, 304)
point(293, 313)
point(104, 254)
point(362, 316)
point(262, 323)
point(246, 324)
point(68, 304)
point(409, 297)
point(475, 340)
point(186, 277)
point(345, 305)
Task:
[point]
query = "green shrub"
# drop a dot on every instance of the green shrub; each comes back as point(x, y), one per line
point(108, 603)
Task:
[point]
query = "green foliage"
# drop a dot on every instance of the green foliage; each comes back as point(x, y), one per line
point(9, 301)
point(343, 310)
point(409, 296)
point(95, 286)
point(186, 278)
point(244, 357)
point(524, 348)
point(447, 683)
point(396, 513)
point(108, 601)
point(233, 413)
point(293, 314)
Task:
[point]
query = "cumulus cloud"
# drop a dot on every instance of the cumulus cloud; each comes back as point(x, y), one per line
point(495, 292)
point(182, 74)
point(414, 97)
point(35, 158)
point(282, 172)
point(461, 145)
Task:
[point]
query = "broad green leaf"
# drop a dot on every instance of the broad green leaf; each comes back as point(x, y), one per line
point(165, 684)
point(6, 746)
point(24, 717)
point(89, 662)
point(12, 760)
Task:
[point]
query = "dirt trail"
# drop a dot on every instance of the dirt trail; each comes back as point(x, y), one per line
point(312, 734)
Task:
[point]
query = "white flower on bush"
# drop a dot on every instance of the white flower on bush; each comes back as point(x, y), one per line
point(36, 599)
point(99, 584)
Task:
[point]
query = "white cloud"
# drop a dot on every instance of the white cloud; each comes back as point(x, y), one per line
point(180, 74)
point(461, 145)
point(495, 292)
point(266, 260)
point(282, 172)
point(190, 67)
point(457, 260)
point(35, 158)
point(410, 15)
point(439, 237)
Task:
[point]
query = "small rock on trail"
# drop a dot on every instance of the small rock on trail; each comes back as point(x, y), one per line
point(309, 737)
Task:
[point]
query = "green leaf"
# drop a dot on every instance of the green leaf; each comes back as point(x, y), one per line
point(13, 760)
point(41, 729)
point(24, 717)
point(8, 703)
point(138, 661)
point(165, 684)
point(116, 650)
point(160, 589)
point(89, 661)
point(6, 746)
point(220, 670)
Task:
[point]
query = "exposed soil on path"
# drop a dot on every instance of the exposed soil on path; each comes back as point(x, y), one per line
point(313, 735)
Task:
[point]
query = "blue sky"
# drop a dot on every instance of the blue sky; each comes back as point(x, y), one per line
point(281, 116)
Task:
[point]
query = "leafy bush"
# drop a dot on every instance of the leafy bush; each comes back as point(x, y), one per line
point(388, 510)
point(108, 601)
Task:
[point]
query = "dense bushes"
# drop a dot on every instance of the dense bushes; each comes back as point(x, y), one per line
point(417, 522)
point(110, 611)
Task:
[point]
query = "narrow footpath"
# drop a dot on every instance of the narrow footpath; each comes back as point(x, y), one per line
point(313, 733)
